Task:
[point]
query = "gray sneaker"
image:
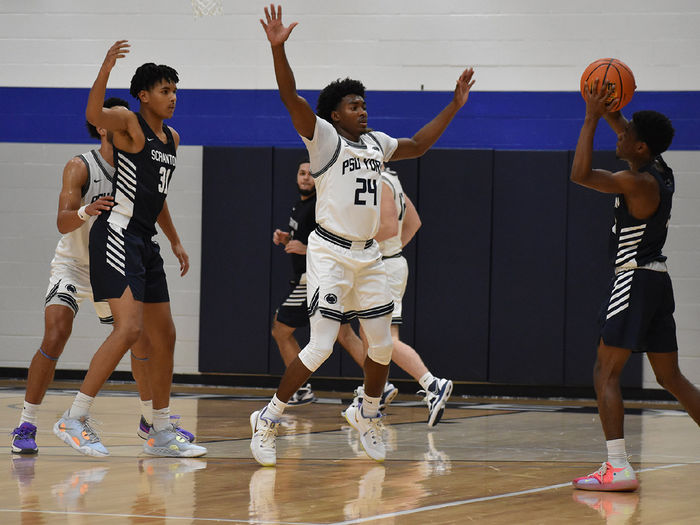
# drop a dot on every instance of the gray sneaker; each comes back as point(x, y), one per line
point(169, 442)
point(79, 434)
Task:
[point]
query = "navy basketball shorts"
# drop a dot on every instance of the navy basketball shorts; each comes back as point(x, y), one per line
point(638, 314)
point(119, 259)
point(294, 311)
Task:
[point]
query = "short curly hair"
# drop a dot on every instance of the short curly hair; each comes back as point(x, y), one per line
point(148, 75)
point(109, 103)
point(333, 93)
point(654, 129)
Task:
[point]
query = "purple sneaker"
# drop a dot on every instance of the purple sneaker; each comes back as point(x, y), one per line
point(24, 439)
point(145, 428)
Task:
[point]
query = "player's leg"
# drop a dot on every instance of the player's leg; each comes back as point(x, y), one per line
point(615, 474)
point(140, 371)
point(669, 376)
point(164, 438)
point(286, 342)
point(264, 422)
point(58, 323)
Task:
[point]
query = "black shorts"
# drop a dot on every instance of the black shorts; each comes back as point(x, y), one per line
point(119, 259)
point(294, 311)
point(638, 314)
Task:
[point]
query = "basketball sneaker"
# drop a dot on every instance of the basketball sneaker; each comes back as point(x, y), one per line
point(79, 434)
point(24, 439)
point(303, 396)
point(608, 478)
point(371, 437)
point(388, 395)
point(170, 442)
point(262, 445)
point(145, 428)
point(436, 398)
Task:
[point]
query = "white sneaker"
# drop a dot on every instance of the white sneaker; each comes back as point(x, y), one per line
point(388, 395)
point(436, 399)
point(370, 431)
point(262, 445)
point(170, 443)
point(303, 396)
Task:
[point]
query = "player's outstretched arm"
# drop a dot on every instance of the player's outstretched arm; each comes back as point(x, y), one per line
point(113, 119)
point(74, 177)
point(303, 117)
point(428, 134)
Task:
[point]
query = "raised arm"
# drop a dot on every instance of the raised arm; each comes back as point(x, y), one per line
point(303, 117)
point(428, 134)
point(113, 119)
point(581, 170)
point(165, 222)
point(616, 120)
point(411, 222)
point(70, 215)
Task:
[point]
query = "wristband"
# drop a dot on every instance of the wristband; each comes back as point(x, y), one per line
point(83, 214)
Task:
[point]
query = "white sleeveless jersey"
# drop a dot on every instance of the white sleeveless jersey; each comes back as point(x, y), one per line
point(73, 246)
point(347, 176)
point(392, 246)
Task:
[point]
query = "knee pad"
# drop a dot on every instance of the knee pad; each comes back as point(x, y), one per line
point(313, 357)
point(380, 354)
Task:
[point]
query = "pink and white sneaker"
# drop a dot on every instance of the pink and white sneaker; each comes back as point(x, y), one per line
point(608, 478)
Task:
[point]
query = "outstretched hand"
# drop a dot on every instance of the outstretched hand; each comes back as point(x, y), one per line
point(118, 50)
point(597, 103)
point(464, 85)
point(276, 33)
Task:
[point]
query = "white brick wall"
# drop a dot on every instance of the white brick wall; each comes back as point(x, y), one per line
point(533, 45)
point(29, 184)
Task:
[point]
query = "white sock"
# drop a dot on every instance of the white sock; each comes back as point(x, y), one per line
point(147, 410)
point(370, 405)
point(426, 380)
point(161, 419)
point(29, 414)
point(81, 406)
point(617, 456)
point(275, 408)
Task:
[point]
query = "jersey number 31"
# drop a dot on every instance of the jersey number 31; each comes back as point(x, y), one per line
point(164, 179)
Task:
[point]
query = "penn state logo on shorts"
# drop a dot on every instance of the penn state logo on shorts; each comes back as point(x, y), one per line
point(331, 298)
point(71, 288)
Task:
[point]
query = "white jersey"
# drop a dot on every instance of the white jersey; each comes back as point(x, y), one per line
point(347, 176)
point(72, 248)
point(392, 246)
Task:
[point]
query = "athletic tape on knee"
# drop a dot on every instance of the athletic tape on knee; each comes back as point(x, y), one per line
point(47, 356)
point(380, 354)
point(323, 334)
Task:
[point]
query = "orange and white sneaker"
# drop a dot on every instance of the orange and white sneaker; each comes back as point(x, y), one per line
point(608, 478)
point(79, 434)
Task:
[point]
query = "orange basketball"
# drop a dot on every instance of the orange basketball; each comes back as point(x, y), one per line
point(615, 75)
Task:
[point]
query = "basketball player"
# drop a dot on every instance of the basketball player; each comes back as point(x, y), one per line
point(86, 192)
point(126, 268)
point(345, 274)
point(293, 313)
point(638, 315)
point(399, 214)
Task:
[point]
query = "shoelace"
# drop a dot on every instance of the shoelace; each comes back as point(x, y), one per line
point(22, 433)
point(88, 423)
point(266, 432)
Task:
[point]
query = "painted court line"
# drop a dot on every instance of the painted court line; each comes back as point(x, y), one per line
point(484, 498)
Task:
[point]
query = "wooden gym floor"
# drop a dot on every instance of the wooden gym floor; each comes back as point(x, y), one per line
point(501, 462)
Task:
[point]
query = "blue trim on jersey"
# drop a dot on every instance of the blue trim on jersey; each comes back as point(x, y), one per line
point(499, 120)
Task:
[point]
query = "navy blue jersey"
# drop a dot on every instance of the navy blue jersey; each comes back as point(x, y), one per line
point(301, 223)
point(141, 182)
point(637, 242)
